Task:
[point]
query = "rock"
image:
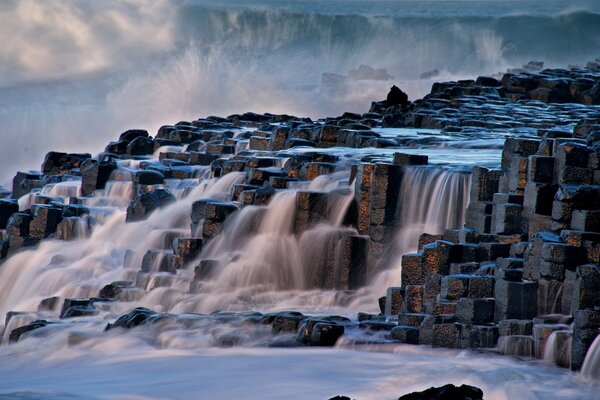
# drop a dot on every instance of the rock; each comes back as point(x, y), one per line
point(7, 208)
point(24, 182)
point(18, 224)
point(324, 331)
point(45, 221)
point(95, 174)
point(446, 392)
point(475, 311)
point(405, 334)
point(136, 317)
point(78, 308)
point(112, 290)
point(286, 321)
point(145, 203)
point(57, 163)
point(16, 333)
point(397, 97)
point(132, 134)
point(410, 159)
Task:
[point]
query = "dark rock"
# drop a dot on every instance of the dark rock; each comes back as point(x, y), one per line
point(447, 392)
point(78, 308)
point(95, 174)
point(16, 333)
point(45, 221)
point(136, 317)
point(145, 203)
point(112, 290)
point(60, 163)
point(133, 134)
point(397, 97)
point(323, 331)
point(7, 208)
point(24, 182)
point(140, 146)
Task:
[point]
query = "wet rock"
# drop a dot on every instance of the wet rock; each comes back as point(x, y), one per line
point(136, 317)
point(405, 334)
point(45, 221)
point(114, 289)
point(286, 321)
point(204, 269)
point(7, 208)
point(145, 203)
point(475, 311)
point(324, 331)
point(447, 392)
point(95, 174)
point(515, 300)
point(212, 214)
point(585, 329)
point(78, 308)
point(24, 182)
point(186, 249)
point(377, 325)
point(410, 159)
point(16, 334)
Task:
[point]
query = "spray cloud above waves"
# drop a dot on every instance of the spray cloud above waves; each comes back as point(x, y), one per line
point(77, 73)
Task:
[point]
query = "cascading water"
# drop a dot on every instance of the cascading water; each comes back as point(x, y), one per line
point(431, 200)
point(591, 364)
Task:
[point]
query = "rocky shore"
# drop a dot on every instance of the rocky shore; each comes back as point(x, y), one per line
point(522, 276)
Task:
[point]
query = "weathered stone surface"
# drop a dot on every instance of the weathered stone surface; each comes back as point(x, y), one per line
point(585, 330)
point(510, 327)
point(515, 300)
point(412, 269)
point(475, 311)
point(586, 292)
point(454, 287)
point(405, 334)
point(446, 334)
point(394, 302)
point(145, 203)
point(478, 336)
point(45, 220)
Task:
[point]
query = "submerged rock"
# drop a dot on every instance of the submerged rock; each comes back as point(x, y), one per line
point(136, 317)
point(16, 333)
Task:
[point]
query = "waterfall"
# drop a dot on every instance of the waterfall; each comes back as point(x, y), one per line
point(430, 201)
point(591, 363)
